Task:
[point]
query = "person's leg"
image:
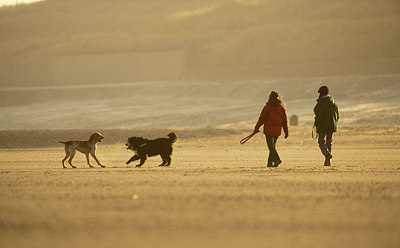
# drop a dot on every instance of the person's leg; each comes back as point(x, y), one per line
point(329, 140)
point(329, 147)
point(273, 154)
point(270, 144)
point(322, 144)
point(325, 146)
point(277, 159)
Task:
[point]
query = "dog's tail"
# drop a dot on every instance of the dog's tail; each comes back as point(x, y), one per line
point(62, 142)
point(172, 137)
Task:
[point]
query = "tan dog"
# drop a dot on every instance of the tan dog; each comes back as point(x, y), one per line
point(84, 147)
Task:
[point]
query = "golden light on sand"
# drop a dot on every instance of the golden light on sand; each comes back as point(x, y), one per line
point(16, 2)
point(192, 13)
point(247, 2)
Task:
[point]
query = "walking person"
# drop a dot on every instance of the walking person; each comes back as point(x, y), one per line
point(326, 119)
point(273, 117)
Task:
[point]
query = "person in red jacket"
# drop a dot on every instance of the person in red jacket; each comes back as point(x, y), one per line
point(273, 117)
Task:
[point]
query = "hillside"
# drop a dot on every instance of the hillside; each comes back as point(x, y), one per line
point(221, 39)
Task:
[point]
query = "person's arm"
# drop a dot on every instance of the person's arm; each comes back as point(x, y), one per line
point(317, 112)
point(262, 118)
point(337, 111)
point(284, 124)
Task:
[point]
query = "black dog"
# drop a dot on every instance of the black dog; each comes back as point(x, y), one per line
point(144, 147)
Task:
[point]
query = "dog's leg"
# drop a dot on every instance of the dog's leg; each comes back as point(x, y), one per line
point(136, 157)
point(94, 156)
point(72, 152)
point(87, 159)
point(164, 160)
point(168, 160)
point(142, 160)
point(66, 156)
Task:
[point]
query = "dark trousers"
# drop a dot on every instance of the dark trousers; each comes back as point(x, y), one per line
point(325, 143)
point(273, 154)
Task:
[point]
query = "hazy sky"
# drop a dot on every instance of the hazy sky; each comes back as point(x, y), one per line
point(13, 2)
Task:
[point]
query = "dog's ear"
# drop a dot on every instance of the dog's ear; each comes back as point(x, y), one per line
point(137, 139)
point(96, 137)
point(99, 137)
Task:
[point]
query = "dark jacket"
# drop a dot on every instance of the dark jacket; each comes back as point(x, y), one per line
point(326, 115)
point(273, 117)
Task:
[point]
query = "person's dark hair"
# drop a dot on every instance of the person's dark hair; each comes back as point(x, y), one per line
point(323, 91)
point(275, 99)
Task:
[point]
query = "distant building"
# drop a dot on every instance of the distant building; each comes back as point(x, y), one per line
point(118, 67)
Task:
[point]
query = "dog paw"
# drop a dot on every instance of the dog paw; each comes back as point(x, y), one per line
point(138, 166)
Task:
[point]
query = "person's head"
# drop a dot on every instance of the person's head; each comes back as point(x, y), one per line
point(323, 91)
point(275, 98)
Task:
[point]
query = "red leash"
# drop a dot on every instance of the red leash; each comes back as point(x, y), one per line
point(245, 139)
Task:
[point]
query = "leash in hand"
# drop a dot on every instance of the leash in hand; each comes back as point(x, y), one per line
point(314, 133)
point(245, 139)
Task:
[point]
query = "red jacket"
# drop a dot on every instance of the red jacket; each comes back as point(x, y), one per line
point(273, 119)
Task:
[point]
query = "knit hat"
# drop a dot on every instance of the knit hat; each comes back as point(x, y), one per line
point(273, 95)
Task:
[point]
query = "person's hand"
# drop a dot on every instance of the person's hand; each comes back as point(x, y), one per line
point(286, 135)
point(256, 131)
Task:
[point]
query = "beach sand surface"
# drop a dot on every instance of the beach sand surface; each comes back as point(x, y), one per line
point(216, 193)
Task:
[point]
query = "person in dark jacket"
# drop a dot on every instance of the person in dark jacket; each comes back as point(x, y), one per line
point(326, 119)
point(273, 117)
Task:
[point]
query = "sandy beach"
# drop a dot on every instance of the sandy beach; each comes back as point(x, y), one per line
point(216, 193)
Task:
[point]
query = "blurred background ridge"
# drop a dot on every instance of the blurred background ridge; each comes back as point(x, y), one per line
point(226, 39)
